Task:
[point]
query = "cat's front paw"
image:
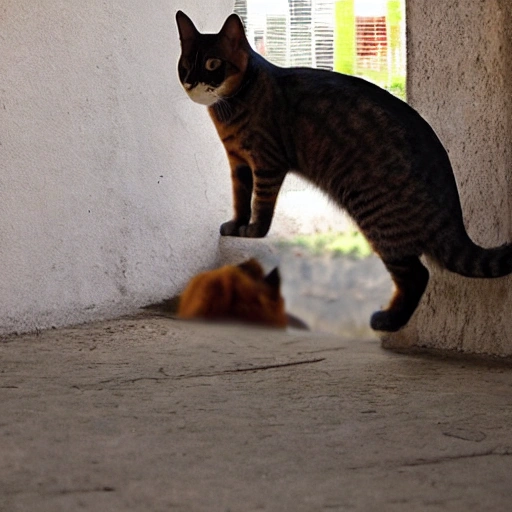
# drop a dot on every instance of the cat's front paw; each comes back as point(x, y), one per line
point(252, 231)
point(232, 228)
point(229, 228)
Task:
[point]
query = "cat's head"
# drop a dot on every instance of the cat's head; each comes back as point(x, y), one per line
point(212, 66)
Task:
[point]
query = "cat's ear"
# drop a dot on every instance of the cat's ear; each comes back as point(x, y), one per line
point(186, 28)
point(233, 30)
point(273, 279)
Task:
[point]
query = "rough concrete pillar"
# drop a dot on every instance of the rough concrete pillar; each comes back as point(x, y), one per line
point(460, 80)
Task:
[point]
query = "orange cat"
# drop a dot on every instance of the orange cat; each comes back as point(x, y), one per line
point(235, 292)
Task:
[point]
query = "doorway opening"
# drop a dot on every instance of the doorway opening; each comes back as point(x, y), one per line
point(331, 279)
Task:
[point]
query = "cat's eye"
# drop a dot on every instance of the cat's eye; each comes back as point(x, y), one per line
point(213, 64)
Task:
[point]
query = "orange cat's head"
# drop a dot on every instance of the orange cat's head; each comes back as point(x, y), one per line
point(212, 66)
point(237, 293)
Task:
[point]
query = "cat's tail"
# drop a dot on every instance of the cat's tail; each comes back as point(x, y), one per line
point(470, 260)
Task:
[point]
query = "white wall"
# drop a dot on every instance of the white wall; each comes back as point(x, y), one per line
point(113, 184)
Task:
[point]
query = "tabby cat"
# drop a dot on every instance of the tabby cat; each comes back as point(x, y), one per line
point(238, 293)
point(373, 154)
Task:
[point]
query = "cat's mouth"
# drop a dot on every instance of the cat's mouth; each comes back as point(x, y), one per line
point(201, 93)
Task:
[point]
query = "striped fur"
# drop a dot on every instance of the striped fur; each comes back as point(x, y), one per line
point(373, 154)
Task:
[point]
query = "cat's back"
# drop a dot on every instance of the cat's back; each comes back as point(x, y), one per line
point(315, 102)
point(310, 89)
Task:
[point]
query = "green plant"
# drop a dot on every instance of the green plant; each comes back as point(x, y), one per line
point(348, 243)
point(398, 89)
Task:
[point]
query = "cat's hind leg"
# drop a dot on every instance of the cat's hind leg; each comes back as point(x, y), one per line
point(410, 278)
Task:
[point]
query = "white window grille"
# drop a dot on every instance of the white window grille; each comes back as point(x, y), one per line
point(360, 37)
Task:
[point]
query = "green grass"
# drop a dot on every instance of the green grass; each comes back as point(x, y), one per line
point(398, 89)
point(349, 243)
point(381, 78)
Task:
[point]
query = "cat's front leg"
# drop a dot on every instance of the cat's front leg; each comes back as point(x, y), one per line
point(254, 194)
point(267, 184)
point(241, 178)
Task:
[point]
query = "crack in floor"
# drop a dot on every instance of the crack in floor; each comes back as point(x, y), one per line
point(168, 377)
point(500, 452)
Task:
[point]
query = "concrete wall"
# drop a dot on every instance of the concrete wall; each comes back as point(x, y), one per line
point(460, 80)
point(112, 182)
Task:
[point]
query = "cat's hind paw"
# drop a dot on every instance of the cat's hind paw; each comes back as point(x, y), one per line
point(388, 321)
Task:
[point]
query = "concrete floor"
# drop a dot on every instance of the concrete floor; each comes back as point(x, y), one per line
point(151, 414)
